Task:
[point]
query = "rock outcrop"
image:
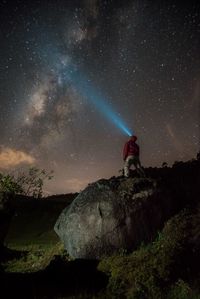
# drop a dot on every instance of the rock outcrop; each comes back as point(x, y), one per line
point(120, 213)
point(112, 215)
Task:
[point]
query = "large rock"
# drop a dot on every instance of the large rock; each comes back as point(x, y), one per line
point(112, 215)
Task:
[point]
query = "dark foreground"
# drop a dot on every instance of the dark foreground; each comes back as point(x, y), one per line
point(58, 280)
point(167, 267)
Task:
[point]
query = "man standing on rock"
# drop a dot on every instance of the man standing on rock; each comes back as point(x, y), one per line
point(131, 156)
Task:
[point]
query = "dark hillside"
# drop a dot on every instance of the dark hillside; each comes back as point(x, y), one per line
point(165, 267)
point(34, 219)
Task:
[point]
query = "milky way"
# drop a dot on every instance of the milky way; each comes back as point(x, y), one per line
point(142, 57)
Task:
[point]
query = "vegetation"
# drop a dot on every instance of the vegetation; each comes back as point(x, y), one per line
point(166, 268)
point(29, 184)
point(160, 270)
point(34, 257)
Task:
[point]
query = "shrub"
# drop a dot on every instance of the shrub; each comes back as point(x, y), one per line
point(180, 290)
point(8, 184)
point(29, 184)
point(150, 271)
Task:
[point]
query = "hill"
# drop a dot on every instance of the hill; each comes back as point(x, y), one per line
point(164, 266)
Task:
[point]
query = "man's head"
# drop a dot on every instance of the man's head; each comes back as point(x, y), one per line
point(133, 138)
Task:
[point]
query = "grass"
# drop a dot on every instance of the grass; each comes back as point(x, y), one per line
point(38, 245)
point(34, 257)
point(31, 233)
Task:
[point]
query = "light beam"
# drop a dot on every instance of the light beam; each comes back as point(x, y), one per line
point(84, 87)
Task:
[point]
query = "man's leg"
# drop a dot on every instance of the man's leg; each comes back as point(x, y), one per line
point(127, 167)
point(139, 168)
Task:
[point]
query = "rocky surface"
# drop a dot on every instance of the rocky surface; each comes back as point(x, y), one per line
point(120, 213)
point(112, 215)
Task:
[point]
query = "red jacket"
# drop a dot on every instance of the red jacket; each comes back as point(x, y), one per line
point(131, 149)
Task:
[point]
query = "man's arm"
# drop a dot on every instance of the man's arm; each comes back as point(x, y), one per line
point(125, 151)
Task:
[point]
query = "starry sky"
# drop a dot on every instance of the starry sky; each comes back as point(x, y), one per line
point(64, 63)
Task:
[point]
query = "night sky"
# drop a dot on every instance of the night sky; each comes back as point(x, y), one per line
point(63, 63)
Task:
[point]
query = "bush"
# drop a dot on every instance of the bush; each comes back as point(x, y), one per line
point(180, 290)
point(153, 270)
point(8, 184)
point(29, 184)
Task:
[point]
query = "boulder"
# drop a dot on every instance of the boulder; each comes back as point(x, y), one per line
point(113, 215)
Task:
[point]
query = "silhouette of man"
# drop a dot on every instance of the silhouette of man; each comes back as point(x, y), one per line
point(131, 154)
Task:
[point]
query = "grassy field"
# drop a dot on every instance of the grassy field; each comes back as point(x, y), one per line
point(31, 233)
point(36, 264)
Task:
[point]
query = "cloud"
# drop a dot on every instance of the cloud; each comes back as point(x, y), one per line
point(11, 157)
